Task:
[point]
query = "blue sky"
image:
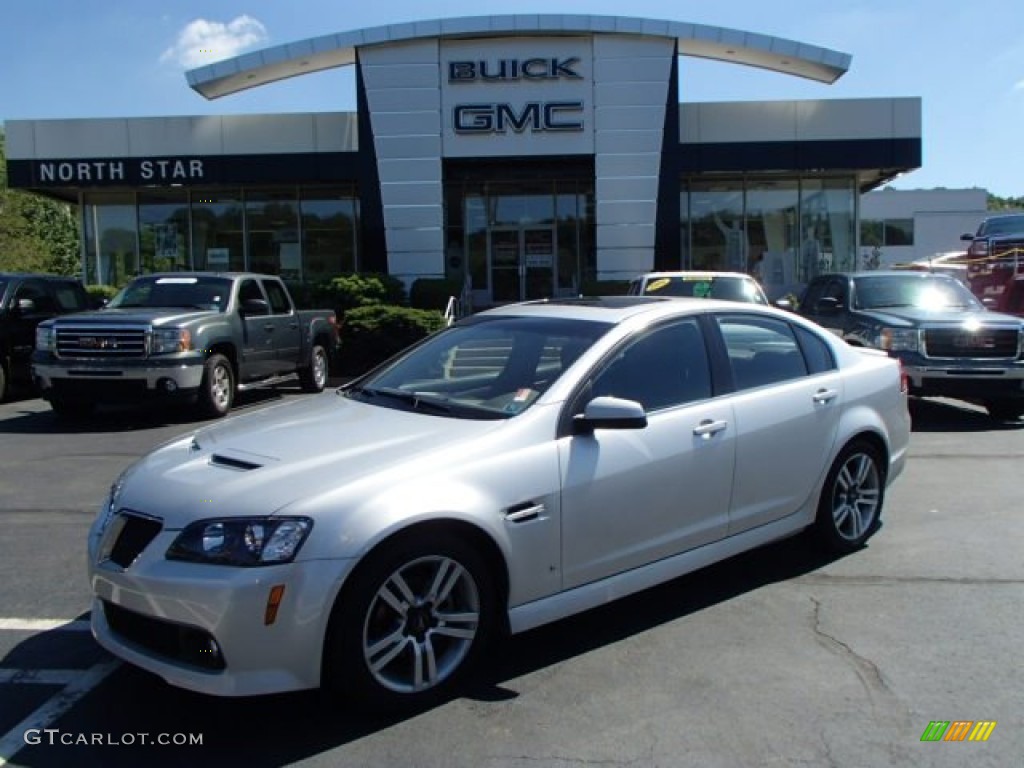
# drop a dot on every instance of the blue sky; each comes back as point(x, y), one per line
point(125, 58)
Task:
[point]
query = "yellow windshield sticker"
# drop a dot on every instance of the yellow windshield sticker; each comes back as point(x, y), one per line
point(657, 285)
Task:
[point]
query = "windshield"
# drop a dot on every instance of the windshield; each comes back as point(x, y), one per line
point(924, 291)
point(483, 368)
point(209, 293)
point(1004, 225)
point(728, 288)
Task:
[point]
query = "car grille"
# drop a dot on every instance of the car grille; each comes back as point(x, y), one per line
point(100, 341)
point(984, 343)
point(135, 534)
point(176, 642)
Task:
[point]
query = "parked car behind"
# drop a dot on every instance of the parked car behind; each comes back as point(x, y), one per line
point(523, 465)
point(949, 343)
point(730, 286)
point(26, 300)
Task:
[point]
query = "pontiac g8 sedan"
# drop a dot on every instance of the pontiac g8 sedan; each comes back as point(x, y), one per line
point(528, 463)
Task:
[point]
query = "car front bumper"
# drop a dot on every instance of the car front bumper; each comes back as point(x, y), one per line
point(975, 379)
point(117, 380)
point(161, 614)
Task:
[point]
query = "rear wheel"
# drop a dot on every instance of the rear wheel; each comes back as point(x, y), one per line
point(314, 376)
point(851, 500)
point(1006, 408)
point(217, 390)
point(410, 624)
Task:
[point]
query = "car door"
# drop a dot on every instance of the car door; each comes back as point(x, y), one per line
point(632, 497)
point(286, 336)
point(835, 288)
point(786, 408)
point(257, 331)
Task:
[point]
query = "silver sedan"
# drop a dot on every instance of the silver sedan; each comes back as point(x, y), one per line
point(526, 464)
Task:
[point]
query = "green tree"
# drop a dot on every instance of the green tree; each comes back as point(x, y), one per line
point(36, 234)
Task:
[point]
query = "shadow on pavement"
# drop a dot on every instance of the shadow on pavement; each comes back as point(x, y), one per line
point(935, 415)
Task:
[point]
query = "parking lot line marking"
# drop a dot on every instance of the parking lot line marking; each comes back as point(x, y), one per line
point(45, 625)
point(39, 676)
point(12, 741)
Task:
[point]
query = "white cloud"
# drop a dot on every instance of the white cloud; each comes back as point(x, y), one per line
point(204, 42)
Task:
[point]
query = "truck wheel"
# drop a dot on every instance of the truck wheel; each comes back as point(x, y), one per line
point(71, 409)
point(3, 379)
point(314, 376)
point(1005, 408)
point(217, 390)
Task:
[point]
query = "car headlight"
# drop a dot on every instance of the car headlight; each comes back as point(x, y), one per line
point(899, 339)
point(45, 339)
point(168, 340)
point(245, 541)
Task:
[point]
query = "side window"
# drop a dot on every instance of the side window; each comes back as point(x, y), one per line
point(69, 298)
point(249, 290)
point(667, 366)
point(279, 304)
point(817, 353)
point(762, 350)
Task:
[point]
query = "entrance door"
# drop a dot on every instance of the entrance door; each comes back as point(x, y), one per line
point(522, 263)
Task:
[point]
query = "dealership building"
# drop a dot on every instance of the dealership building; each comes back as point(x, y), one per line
point(522, 156)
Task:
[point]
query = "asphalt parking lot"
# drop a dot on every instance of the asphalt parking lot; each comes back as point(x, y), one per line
point(776, 657)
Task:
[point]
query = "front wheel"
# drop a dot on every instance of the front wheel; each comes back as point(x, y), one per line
point(1005, 408)
point(314, 376)
point(411, 623)
point(851, 500)
point(217, 389)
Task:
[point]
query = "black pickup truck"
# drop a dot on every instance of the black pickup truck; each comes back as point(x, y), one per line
point(185, 335)
point(26, 300)
point(949, 343)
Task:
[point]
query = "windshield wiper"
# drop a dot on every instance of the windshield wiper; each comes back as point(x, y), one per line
point(417, 400)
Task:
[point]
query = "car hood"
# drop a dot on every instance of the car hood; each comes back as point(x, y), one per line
point(170, 316)
point(258, 463)
point(918, 316)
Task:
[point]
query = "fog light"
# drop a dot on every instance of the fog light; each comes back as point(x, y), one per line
point(169, 385)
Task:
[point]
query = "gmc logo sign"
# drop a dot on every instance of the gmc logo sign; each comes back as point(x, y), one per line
point(535, 116)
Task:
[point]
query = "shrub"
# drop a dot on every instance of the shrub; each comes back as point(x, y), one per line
point(347, 292)
point(433, 292)
point(373, 333)
point(100, 293)
point(605, 287)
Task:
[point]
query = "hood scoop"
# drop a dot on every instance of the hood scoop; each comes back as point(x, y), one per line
point(230, 462)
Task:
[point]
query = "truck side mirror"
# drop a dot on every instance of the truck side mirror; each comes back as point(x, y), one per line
point(827, 305)
point(26, 306)
point(255, 307)
point(967, 236)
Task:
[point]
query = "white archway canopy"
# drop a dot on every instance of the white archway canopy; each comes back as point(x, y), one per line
point(316, 54)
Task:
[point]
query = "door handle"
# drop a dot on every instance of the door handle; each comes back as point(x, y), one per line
point(268, 327)
point(293, 326)
point(823, 396)
point(709, 427)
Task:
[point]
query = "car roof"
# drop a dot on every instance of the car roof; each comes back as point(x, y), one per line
point(919, 273)
point(693, 273)
point(610, 309)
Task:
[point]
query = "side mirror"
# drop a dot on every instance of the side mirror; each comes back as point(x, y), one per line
point(989, 302)
point(255, 307)
point(967, 236)
point(610, 413)
point(785, 304)
point(827, 305)
point(26, 306)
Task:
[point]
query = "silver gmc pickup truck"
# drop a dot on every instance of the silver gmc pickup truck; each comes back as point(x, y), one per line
point(197, 336)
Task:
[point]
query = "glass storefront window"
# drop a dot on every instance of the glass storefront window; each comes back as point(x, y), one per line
point(272, 228)
point(328, 232)
point(163, 230)
point(217, 240)
point(776, 257)
point(111, 238)
point(713, 227)
point(826, 223)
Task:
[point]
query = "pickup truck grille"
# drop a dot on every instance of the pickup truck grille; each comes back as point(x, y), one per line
point(100, 341)
point(984, 343)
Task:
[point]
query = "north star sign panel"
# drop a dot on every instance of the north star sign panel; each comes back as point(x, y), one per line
point(517, 97)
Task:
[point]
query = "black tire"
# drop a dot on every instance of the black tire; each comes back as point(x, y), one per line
point(850, 507)
point(217, 389)
point(362, 667)
point(314, 376)
point(4, 380)
point(66, 408)
point(1005, 408)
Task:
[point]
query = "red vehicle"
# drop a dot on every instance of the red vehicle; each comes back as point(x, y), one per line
point(995, 263)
